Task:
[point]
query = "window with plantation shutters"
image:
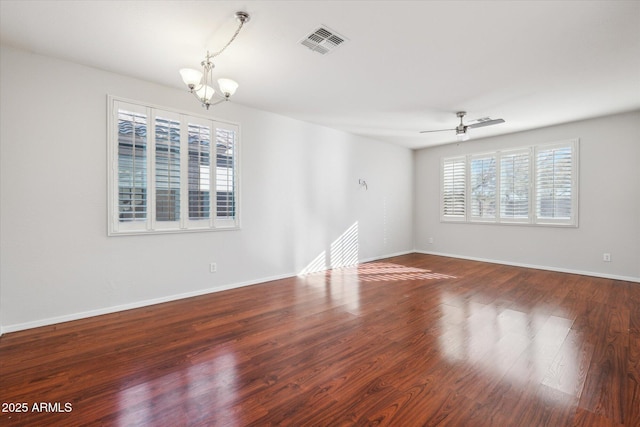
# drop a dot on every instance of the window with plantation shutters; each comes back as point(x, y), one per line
point(514, 185)
point(170, 171)
point(132, 170)
point(454, 189)
point(483, 187)
point(555, 182)
point(225, 173)
point(167, 165)
point(535, 185)
point(199, 172)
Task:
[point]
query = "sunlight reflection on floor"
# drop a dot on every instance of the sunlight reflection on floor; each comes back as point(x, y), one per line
point(214, 379)
point(342, 285)
point(524, 347)
point(385, 271)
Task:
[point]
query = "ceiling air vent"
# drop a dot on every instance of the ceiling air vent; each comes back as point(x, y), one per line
point(323, 40)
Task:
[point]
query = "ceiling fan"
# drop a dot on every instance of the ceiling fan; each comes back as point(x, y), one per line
point(461, 129)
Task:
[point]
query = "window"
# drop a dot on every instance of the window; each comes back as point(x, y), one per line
point(167, 164)
point(531, 185)
point(199, 172)
point(483, 187)
point(169, 171)
point(132, 165)
point(514, 185)
point(554, 184)
point(454, 189)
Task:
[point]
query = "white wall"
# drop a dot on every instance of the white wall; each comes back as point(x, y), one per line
point(609, 211)
point(299, 187)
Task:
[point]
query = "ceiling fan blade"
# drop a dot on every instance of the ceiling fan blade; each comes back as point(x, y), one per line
point(484, 123)
point(439, 130)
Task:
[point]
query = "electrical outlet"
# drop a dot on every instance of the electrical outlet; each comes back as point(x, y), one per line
point(606, 257)
point(213, 267)
point(430, 240)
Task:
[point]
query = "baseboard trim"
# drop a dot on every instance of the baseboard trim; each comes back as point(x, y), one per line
point(145, 303)
point(4, 329)
point(537, 267)
point(362, 261)
point(138, 304)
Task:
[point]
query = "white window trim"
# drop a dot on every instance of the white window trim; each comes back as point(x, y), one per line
point(150, 226)
point(532, 219)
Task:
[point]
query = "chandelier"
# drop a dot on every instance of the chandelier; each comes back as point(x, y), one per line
point(200, 83)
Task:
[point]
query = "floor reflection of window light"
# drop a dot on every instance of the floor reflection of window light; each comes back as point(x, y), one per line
point(382, 271)
point(377, 271)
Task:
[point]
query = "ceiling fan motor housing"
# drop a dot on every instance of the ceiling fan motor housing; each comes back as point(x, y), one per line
point(461, 128)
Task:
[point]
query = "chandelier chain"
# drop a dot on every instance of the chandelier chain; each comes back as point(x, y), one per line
point(242, 21)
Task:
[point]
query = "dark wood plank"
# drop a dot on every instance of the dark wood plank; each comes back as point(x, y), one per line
point(584, 418)
point(410, 340)
point(605, 390)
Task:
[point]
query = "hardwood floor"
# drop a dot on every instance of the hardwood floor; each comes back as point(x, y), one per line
point(411, 340)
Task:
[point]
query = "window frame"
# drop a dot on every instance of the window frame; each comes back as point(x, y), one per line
point(151, 224)
point(532, 191)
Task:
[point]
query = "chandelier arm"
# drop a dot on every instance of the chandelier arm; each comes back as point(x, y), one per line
point(195, 95)
point(219, 101)
point(219, 98)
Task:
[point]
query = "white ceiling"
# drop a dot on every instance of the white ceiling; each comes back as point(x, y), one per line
point(407, 65)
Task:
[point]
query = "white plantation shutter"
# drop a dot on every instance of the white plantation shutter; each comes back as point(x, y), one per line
point(226, 173)
point(167, 167)
point(129, 165)
point(554, 183)
point(514, 185)
point(454, 189)
point(132, 161)
point(199, 171)
point(483, 187)
point(169, 171)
